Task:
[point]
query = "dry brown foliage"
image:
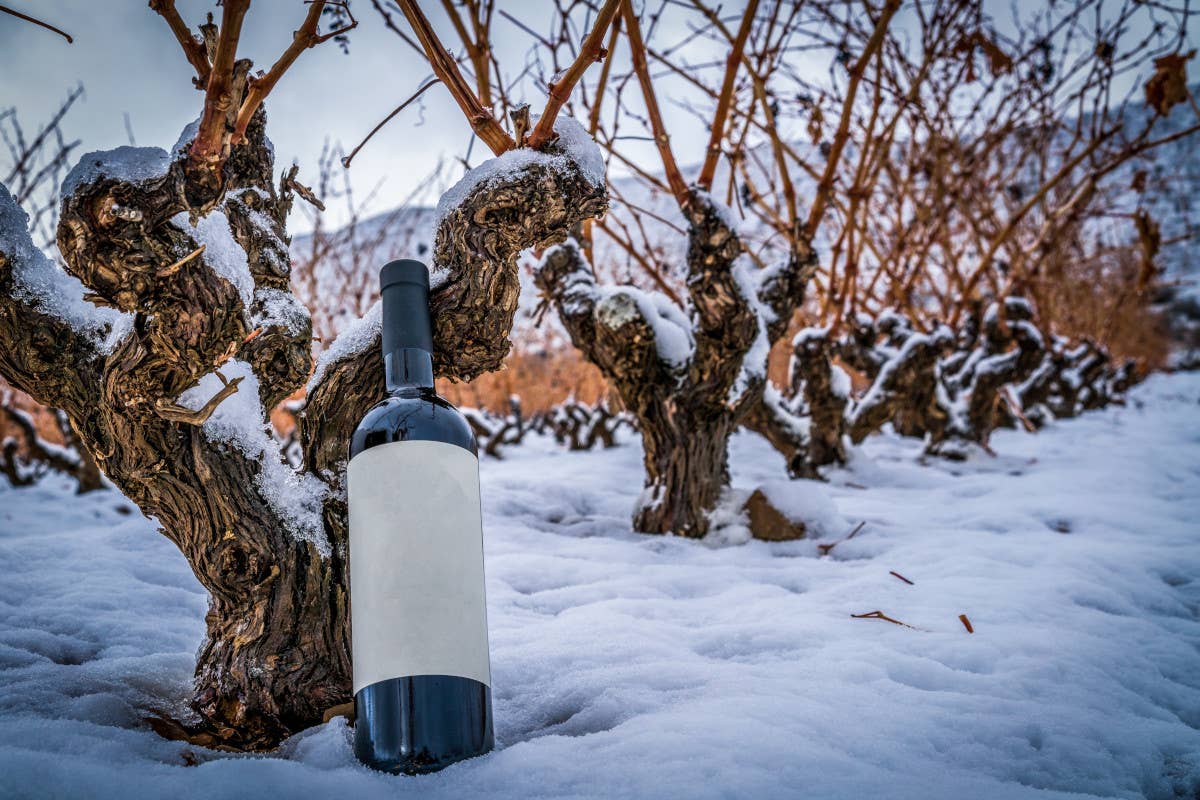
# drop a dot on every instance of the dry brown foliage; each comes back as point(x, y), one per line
point(1097, 298)
point(541, 378)
point(44, 419)
point(33, 166)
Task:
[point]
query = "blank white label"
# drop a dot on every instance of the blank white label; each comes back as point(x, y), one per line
point(416, 564)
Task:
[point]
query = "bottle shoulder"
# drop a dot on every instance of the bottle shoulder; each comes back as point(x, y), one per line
point(415, 417)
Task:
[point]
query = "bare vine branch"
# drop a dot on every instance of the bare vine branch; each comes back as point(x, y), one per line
point(560, 89)
point(482, 122)
point(38, 22)
point(193, 48)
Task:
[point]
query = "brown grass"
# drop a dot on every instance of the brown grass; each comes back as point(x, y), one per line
point(43, 418)
point(1103, 299)
point(542, 378)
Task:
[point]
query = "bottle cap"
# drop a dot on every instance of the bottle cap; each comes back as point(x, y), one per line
point(405, 270)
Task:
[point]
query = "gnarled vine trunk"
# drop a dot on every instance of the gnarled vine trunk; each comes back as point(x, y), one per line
point(191, 270)
point(687, 468)
point(807, 426)
point(688, 399)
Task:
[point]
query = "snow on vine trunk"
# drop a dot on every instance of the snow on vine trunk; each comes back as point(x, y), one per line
point(174, 408)
point(689, 374)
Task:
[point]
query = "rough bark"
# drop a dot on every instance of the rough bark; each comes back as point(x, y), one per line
point(858, 347)
point(904, 391)
point(953, 389)
point(685, 411)
point(813, 379)
point(1034, 392)
point(686, 467)
point(1007, 352)
point(581, 427)
point(87, 472)
point(807, 425)
point(1091, 370)
point(805, 441)
point(276, 653)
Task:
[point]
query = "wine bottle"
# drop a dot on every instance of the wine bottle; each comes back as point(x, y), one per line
point(422, 675)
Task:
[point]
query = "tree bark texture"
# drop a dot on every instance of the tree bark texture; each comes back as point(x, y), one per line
point(1008, 350)
point(277, 650)
point(807, 425)
point(812, 378)
point(904, 391)
point(686, 410)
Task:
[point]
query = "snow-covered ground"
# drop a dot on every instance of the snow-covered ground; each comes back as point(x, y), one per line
point(645, 667)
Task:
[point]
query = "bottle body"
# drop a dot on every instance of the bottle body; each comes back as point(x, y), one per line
point(422, 684)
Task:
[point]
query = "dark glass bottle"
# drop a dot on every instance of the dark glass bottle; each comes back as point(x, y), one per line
point(422, 680)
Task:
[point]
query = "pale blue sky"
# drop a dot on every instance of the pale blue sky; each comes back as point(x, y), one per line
point(127, 60)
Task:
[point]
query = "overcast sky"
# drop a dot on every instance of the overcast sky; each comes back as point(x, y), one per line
point(128, 62)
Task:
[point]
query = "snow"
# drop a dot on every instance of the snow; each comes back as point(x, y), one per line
point(807, 502)
point(125, 163)
point(239, 422)
point(222, 253)
point(724, 212)
point(754, 361)
point(839, 381)
point(186, 137)
point(575, 142)
point(38, 279)
point(673, 341)
point(806, 335)
point(880, 386)
point(630, 666)
point(267, 229)
point(1174, 171)
point(277, 307)
point(891, 317)
point(782, 408)
point(575, 148)
point(1030, 331)
point(1018, 305)
point(357, 337)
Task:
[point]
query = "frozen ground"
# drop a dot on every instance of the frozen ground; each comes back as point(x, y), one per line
point(639, 667)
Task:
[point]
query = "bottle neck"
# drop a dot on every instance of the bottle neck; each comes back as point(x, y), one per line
point(407, 337)
point(408, 368)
